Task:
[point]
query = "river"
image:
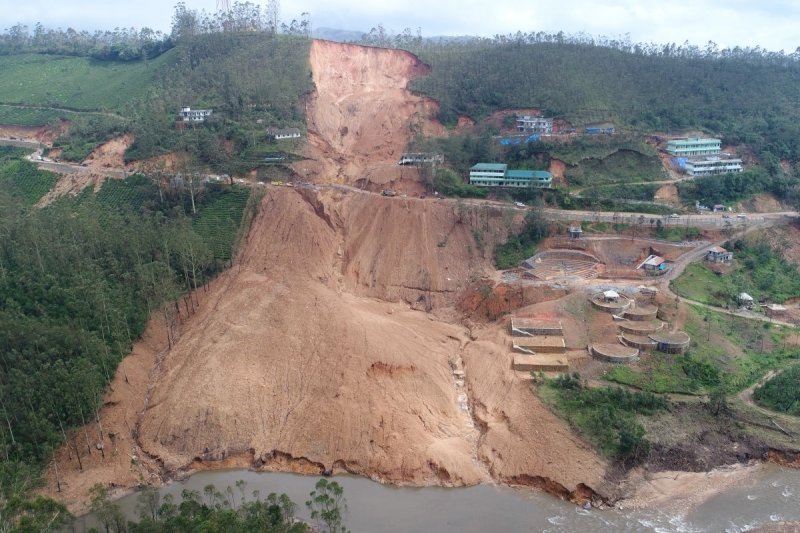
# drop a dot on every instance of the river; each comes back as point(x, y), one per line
point(771, 494)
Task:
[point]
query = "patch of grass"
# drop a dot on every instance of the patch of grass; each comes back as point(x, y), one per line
point(606, 416)
point(76, 83)
point(701, 284)
point(219, 219)
point(621, 166)
point(758, 270)
point(782, 392)
point(30, 116)
point(25, 181)
point(131, 193)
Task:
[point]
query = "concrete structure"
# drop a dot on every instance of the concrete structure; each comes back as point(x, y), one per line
point(640, 342)
point(610, 296)
point(194, 115)
point(420, 158)
point(538, 363)
point(745, 300)
point(713, 166)
point(606, 128)
point(615, 353)
point(284, 133)
point(498, 175)
point(637, 327)
point(606, 302)
point(641, 313)
point(530, 124)
point(718, 254)
point(526, 327)
point(538, 344)
point(693, 146)
point(575, 232)
point(675, 342)
point(775, 311)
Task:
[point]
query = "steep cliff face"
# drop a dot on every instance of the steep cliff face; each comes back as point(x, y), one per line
point(362, 115)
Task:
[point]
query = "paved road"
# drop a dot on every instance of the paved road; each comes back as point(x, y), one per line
point(19, 143)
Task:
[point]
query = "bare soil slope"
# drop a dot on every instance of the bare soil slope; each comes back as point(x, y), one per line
point(283, 365)
point(362, 115)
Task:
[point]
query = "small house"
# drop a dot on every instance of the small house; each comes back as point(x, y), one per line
point(606, 128)
point(575, 232)
point(194, 115)
point(284, 133)
point(745, 300)
point(718, 254)
point(719, 208)
point(654, 263)
point(610, 296)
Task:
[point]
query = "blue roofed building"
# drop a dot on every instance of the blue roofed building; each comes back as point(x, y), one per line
point(498, 175)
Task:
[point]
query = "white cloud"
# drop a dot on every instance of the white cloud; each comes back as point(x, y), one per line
point(771, 24)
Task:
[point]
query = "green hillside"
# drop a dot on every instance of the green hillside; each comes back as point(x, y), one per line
point(743, 96)
point(77, 83)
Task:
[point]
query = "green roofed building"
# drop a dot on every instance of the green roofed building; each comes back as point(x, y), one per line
point(693, 146)
point(498, 175)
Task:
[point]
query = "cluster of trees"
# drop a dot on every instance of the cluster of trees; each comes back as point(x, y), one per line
point(121, 44)
point(79, 280)
point(523, 245)
point(745, 96)
point(607, 415)
point(242, 17)
point(781, 393)
point(735, 187)
point(228, 510)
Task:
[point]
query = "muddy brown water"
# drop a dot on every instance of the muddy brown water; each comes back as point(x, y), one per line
point(769, 496)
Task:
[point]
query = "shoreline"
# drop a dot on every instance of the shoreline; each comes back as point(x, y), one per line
point(676, 492)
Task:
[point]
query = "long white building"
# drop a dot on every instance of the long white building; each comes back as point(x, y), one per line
point(712, 165)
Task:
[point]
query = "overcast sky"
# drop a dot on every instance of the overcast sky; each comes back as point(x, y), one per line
point(771, 24)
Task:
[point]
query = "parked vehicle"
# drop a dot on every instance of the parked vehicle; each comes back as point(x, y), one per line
point(674, 215)
point(389, 192)
point(520, 204)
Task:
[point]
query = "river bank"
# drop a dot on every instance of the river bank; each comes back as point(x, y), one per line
point(730, 499)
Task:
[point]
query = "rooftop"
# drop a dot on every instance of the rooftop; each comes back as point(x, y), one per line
point(718, 250)
point(492, 167)
point(529, 174)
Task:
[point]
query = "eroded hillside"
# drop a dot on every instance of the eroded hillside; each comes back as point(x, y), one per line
point(333, 343)
point(362, 114)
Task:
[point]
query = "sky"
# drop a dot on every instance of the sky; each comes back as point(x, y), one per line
point(771, 24)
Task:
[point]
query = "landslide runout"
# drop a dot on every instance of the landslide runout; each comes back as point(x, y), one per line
point(279, 359)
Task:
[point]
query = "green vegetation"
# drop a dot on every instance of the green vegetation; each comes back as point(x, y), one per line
point(606, 416)
point(727, 354)
point(782, 392)
point(448, 183)
point(219, 219)
point(23, 179)
point(76, 83)
point(665, 373)
point(523, 245)
point(730, 188)
point(642, 87)
point(79, 280)
point(30, 116)
point(758, 270)
point(230, 510)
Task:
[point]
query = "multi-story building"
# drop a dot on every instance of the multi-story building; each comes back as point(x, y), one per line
point(712, 166)
point(498, 175)
point(194, 115)
point(693, 146)
point(529, 124)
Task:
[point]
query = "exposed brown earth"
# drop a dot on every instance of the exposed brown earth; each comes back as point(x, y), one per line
point(362, 115)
